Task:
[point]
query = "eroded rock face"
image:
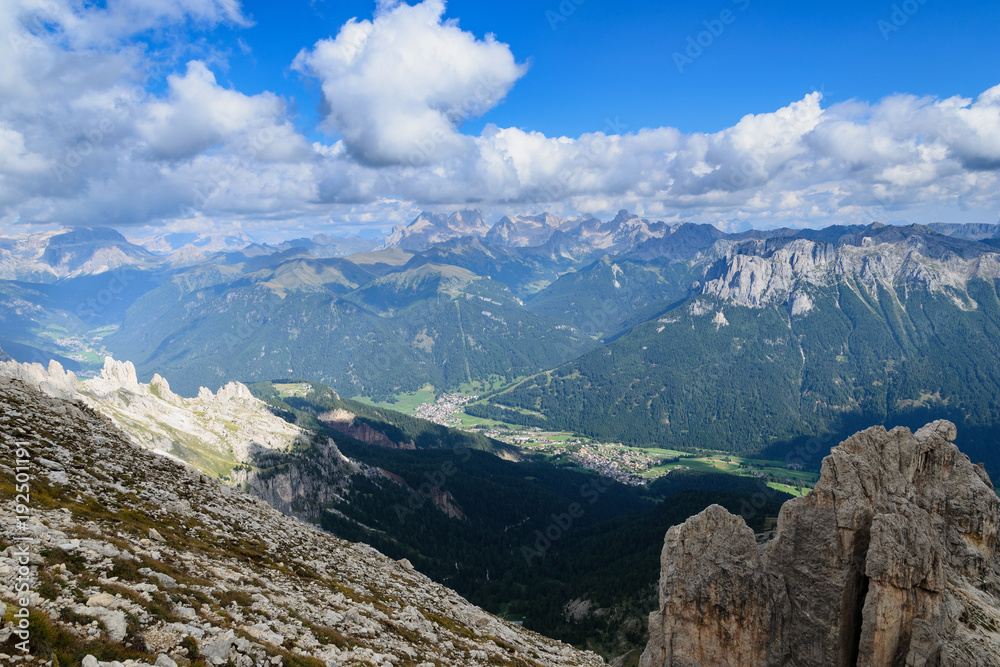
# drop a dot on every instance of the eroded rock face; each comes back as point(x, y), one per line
point(230, 426)
point(891, 560)
point(714, 598)
point(348, 424)
point(759, 272)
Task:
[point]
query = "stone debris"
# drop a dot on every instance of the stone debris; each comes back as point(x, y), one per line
point(139, 556)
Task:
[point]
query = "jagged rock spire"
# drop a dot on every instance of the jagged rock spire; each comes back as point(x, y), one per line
point(891, 560)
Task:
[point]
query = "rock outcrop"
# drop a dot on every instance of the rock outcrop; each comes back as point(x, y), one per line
point(131, 556)
point(713, 595)
point(348, 424)
point(891, 560)
point(758, 272)
point(214, 432)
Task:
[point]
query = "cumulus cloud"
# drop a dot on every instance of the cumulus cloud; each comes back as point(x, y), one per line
point(198, 114)
point(85, 141)
point(398, 87)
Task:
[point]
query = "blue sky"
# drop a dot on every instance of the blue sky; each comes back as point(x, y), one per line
point(291, 117)
point(615, 59)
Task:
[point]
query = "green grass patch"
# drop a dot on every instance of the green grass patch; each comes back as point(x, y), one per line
point(791, 490)
point(405, 403)
point(50, 641)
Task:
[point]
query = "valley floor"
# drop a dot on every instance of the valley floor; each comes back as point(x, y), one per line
point(636, 466)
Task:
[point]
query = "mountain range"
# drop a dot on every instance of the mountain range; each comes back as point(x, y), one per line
point(774, 343)
point(629, 329)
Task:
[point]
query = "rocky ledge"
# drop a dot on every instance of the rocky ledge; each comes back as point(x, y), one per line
point(891, 560)
point(134, 558)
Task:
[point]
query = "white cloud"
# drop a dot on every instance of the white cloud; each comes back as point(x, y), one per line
point(15, 158)
point(398, 86)
point(199, 114)
point(83, 141)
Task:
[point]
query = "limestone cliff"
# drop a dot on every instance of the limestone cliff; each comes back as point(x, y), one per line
point(891, 560)
point(759, 272)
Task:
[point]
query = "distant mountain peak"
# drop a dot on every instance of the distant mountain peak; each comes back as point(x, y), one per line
point(430, 228)
point(622, 216)
point(85, 251)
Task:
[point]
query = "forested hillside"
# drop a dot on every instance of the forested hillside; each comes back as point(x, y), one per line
point(523, 538)
point(742, 379)
point(362, 334)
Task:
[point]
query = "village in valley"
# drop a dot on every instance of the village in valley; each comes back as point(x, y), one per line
point(634, 466)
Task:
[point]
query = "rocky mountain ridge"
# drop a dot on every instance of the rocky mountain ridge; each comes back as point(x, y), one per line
point(430, 228)
point(758, 272)
point(229, 435)
point(213, 432)
point(560, 238)
point(972, 231)
point(523, 231)
point(893, 559)
point(137, 558)
point(756, 267)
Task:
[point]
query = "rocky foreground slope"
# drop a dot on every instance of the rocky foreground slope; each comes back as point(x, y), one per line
point(891, 560)
point(138, 558)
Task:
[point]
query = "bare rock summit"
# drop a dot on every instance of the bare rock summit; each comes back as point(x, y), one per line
point(891, 560)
